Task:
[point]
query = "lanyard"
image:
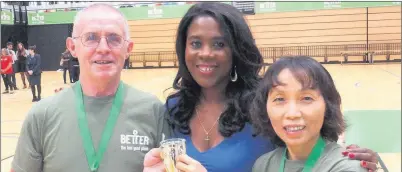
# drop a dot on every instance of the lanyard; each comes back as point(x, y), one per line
point(94, 158)
point(312, 158)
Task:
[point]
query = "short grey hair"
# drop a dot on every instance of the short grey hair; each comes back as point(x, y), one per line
point(5, 50)
point(106, 6)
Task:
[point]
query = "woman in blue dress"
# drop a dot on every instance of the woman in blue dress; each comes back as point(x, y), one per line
point(33, 67)
point(218, 72)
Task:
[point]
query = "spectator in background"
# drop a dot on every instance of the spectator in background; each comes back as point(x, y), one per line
point(74, 68)
point(33, 66)
point(65, 64)
point(14, 64)
point(22, 55)
point(127, 62)
point(7, 70)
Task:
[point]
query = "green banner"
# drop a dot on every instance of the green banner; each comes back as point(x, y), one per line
point(131, 13)
point(266, 7)
point(59, 17)
point(170, 11)
point(177, 11)
point(368, 4)
point(7, 17)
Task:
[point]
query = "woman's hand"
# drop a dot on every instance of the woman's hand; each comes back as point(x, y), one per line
point(30, 72)
point(367, 157)
point(153, 161)
point(187, 164)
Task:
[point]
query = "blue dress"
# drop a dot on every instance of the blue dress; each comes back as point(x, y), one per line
point(34, 63)
point(234, 154)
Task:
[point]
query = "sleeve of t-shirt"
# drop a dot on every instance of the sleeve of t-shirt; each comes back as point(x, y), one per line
point(28, 155)
point(348, 165)
point(350, 169)
point(164, 130)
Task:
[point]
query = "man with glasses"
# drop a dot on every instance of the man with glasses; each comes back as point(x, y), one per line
point(100, 123)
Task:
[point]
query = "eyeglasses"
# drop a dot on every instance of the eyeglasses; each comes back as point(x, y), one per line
point(92, 40)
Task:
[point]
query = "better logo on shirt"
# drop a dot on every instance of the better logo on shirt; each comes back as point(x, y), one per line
point(134, 142)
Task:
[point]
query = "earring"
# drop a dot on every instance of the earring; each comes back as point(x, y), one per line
point(233, 78)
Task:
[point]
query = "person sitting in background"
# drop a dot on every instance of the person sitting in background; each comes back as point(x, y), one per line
point(6, 71)
point(302, 117)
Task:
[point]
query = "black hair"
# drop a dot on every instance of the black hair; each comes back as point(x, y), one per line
point(9, 43)
point(311, 74)
point(33, 48)
point(246, 57)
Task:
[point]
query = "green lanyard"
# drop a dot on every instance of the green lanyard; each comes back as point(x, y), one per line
point(312, 158)
point(94, 158)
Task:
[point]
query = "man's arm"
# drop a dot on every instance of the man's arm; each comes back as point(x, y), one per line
point(28, 155)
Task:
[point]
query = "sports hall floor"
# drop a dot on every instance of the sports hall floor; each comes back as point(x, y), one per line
point(371, 96)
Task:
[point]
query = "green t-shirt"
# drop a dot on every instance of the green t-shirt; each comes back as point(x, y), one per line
point(50, 140)
point(330, 161)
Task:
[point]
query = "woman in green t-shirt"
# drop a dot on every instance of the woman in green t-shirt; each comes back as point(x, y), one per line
point(302, 117)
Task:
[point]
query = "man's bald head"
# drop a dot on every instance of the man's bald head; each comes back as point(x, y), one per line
point(92, 10)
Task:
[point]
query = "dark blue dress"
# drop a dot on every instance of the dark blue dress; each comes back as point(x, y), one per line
point(34, 63)
point(234, 154)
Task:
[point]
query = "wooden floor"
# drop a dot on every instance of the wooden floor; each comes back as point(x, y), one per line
point(362, 87)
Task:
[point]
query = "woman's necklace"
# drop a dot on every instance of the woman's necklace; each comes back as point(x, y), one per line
point(216, 121)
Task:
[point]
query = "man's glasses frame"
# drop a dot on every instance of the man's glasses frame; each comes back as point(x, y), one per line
point(96, 43)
